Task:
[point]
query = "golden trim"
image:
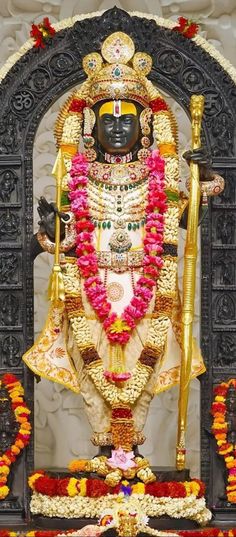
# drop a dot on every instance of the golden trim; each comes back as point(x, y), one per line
point(49, 335)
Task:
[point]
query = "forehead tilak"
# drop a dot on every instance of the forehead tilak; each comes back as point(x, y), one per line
point(117, 108)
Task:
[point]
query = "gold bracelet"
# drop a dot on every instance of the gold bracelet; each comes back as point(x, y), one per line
point(66, 244)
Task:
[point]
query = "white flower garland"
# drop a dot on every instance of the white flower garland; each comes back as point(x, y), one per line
point(81, 507)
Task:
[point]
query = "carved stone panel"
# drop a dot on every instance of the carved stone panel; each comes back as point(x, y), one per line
point(9, 187)
point(10, 269)
point(11, 310)
point(10, 133)
point(224, 310)
point(224, 268)
point(10, 226)
point(223, 228)
point(10, 350)
point(224, 354)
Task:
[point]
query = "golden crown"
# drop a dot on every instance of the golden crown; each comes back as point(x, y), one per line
point(118, 72)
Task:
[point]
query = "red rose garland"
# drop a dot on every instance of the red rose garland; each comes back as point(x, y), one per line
point(119, 329)
point(21, 412)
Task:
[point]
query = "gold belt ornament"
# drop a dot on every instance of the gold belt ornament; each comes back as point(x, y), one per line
point(120, 261)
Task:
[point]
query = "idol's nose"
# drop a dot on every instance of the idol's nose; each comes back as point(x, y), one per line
point(117, 128)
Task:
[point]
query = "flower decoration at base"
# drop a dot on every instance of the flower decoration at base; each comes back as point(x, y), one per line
point(42, 32)
point(121, 459)
point(21, 414)
point(186, 27)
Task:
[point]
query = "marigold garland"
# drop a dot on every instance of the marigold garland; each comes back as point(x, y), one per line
point(220, 430)
point(21, 413)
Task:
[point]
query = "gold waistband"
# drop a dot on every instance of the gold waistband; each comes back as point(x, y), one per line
point(120, 262)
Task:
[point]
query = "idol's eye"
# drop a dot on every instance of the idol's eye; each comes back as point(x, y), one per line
point(108, 119)
point(128, 119)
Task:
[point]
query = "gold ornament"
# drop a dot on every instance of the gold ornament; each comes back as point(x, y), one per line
point(115, 291)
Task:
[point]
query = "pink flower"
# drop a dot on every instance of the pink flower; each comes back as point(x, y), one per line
point(149, 248)
point(152, 271)
point(77, 204)
point(122, 337)
point(146, 281)
point(117, 377)
point(77, 180)
point(84, 236)
point(80, 164)
point(155, 162)
point(92, 281)
point(121, 459)
point(129, 319)
point(144, 292)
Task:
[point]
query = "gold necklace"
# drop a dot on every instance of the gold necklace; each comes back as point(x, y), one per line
point(118, 174)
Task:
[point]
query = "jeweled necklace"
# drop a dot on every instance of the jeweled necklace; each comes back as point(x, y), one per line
point(118, 159)
point(119, 329)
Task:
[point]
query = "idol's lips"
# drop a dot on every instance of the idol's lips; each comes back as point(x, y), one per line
point(117, 138)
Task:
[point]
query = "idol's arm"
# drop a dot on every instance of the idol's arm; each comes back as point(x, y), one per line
point(211, 184)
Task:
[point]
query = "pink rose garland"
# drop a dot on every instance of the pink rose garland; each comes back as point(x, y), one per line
point(119, 329)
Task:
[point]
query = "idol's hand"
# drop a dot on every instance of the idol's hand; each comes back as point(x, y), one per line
point(47, 213)
point(203, 158)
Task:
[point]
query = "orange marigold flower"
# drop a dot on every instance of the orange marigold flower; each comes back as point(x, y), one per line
point(15, 450)
point(78, 465)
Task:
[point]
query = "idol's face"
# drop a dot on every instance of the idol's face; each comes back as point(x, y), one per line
point(118, 129)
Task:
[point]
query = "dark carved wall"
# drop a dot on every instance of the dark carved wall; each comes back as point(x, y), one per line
point(33, 84)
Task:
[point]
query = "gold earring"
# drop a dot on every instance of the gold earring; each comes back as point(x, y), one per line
point(88, 139)
point(145, 119)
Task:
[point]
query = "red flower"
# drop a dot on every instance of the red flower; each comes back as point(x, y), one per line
point(37, 35)
point(62, 485)
point(46, 485)
point(41, 32)
point(158, 104)
point(8, 378)
point(182, 22)
point(186, 27)
point(222, 389)
point(192, 30)
point(46, 25)
point(96, 488)
point(77, 105)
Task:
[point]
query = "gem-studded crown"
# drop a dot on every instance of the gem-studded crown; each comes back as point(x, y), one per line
point(118, 72)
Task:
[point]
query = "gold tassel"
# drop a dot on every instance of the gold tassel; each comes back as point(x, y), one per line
point(56, 290)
